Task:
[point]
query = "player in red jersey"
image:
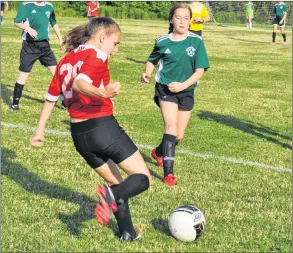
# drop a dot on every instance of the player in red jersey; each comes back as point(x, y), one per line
point(82, 77)
point(92, 9)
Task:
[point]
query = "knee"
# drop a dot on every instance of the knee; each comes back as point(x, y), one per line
point(145, 181)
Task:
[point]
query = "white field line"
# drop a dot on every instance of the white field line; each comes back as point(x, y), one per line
point(185, 152)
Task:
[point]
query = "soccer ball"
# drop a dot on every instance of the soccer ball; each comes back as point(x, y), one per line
point(187, 223)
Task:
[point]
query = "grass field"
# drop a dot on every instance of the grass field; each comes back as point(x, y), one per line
point(234, 163)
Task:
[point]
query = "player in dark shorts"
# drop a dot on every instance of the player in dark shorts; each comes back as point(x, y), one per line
point(83, 78)
point(34, 19)
point(183, 60)
point(280, 10)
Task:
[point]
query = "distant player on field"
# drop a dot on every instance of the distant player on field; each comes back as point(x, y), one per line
point(4, 5)
point(280, 11)
point(93, 9)
point(249, 9)
point(183, 61)
point(34, 18)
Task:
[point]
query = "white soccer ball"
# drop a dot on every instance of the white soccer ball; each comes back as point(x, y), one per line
point(187, 223)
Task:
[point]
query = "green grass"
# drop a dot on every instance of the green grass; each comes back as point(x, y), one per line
point(243, 111)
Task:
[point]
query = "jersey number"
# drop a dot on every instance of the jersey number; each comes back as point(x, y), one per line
point(69, 77)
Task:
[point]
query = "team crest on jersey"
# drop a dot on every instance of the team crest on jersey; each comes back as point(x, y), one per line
point(190, 51)
point(48, 14)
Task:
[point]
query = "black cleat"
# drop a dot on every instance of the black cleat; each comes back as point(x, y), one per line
point(14, 107)
point(128, 237)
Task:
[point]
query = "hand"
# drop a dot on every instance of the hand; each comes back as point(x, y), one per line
point(37, 140)
point(197, 20)
point(176, 87)
point(281, 21)
point(33, 33)
point(145, 78)
point(113, 89)
point(61, 46)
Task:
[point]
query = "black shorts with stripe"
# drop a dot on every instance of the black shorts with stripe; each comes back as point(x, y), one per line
point(100, 139)
point(32, 51)
point(184, 99)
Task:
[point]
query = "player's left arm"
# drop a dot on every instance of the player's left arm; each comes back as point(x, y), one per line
point(201, 64)
point(194, 78)
point(56, 29)
point(283, 18)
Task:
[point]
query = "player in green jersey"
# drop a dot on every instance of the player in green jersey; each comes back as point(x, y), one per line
point(280, 11)
point(183, 60)
point(249, 8)
point(34, 19)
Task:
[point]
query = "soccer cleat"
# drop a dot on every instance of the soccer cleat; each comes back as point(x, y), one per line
point(170, 180)
point(103, 209)
point(14, 107)
point(157, 158)
point(273, 43)
point(285, 43)
point(128, 237)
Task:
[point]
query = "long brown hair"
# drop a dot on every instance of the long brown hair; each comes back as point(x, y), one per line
point(177, 6)
point(81, 34)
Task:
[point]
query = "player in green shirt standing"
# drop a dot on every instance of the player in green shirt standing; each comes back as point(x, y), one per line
point(34, 18)
point(183, 60)
point(280, 11)
point(249, 8)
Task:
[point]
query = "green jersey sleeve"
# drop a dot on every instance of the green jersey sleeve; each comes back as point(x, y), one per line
point(201, 58)
point(53, 19)
point(22, 14)
point(155, 55)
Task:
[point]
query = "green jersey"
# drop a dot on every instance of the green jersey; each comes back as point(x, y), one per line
point(249, 7)
point(280, 9)
point(38, 17)
point(178, 59)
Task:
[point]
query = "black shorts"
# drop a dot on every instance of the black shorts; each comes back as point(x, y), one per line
point(277, 20)
point(100, 139)
point(32, 51)
point(184, 99)
point(2, 5)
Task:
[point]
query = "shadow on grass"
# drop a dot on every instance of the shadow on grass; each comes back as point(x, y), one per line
point(31, 182)
point(161, 225)
point(251, 41)
point(136, 61)
point(147, 159)
point(246, 126)
point(6, 94)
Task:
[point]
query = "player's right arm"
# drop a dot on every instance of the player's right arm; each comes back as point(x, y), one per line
point(149, 67)
point(21, 17)
point(52, 97)
point(153, 59)
point(38, 139)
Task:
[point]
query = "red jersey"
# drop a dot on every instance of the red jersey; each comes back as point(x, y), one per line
point(90, 64)
point(90, 6)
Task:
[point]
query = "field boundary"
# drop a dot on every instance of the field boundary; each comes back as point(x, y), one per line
point(179, 151)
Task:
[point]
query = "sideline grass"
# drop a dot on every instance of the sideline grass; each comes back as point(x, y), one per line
point(243, 110)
